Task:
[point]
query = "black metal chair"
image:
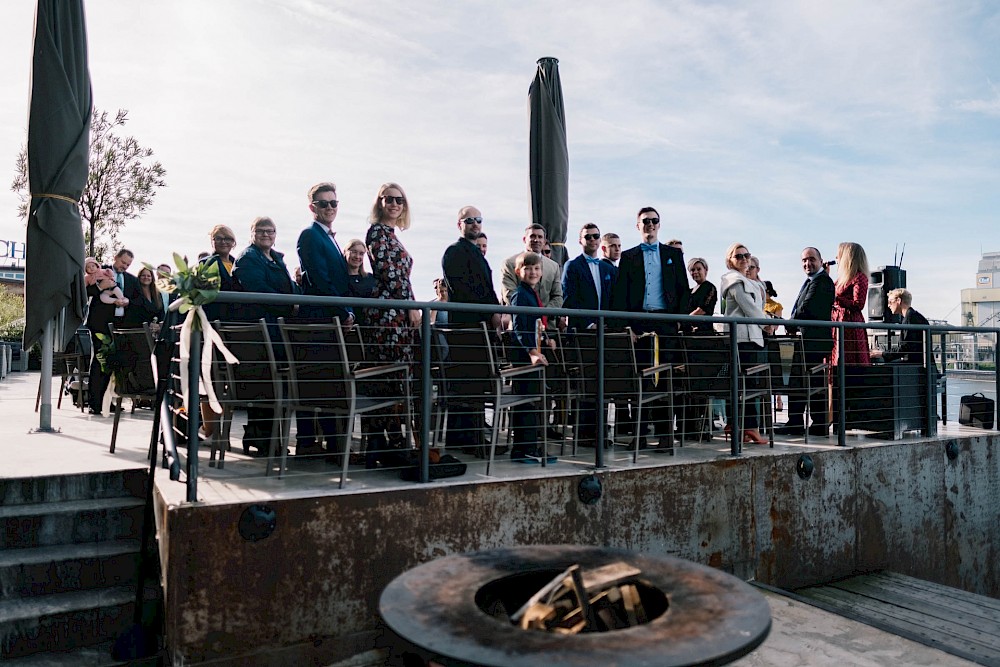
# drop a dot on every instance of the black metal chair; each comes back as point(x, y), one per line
point(323, 379)
point(255, 382)
point(475, 378)
point(791, 376)
point(708, 368)
point(623, 378)
point(132, 369)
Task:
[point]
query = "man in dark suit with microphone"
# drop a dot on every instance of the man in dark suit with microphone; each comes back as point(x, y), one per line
point(815, 302)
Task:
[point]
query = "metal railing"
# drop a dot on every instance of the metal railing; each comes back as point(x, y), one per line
point(682, 367)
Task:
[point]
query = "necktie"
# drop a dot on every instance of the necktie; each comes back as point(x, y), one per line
point(592, 260)
point(649, 246)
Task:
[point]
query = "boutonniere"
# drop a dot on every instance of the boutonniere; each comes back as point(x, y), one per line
point(670, 260)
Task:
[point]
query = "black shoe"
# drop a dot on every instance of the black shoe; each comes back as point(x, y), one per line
point(95, 412)
point(665, 445)
point(790, 430)
point(821, 431)
point(553, 434)
point(308, 449)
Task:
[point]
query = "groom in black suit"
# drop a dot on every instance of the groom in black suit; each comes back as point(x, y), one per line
point(815, 302)
point(666, 291)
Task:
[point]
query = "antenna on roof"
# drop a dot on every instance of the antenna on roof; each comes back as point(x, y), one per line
point(900, 265)
point(895, 256)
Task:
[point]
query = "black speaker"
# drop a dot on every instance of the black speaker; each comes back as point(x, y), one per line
point(880, 283)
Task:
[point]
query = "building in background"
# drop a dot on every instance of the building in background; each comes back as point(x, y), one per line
point(12, 255)
point(980, 308)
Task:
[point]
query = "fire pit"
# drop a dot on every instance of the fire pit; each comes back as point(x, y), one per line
point(473, 609)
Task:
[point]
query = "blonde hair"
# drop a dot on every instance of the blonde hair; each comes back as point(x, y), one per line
point(732, 251)
point(853, 261)
point(347, 249)
point(262, 221)
point(903, 295)
point(223, 229)
point(403, 221)
point(698, 260)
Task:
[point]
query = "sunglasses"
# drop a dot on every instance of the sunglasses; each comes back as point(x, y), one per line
point(547, 252)
point(472, 221)
point(387, 199)
point(755, 268)
point(332, 203)
point(740, 256)
point(650, 221)
point(591, 237)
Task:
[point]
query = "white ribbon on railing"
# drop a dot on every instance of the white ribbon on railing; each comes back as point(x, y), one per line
point(211, 339)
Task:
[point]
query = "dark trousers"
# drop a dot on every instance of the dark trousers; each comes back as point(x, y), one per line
point(817, 403)
point(750, 355)
point(333, 429)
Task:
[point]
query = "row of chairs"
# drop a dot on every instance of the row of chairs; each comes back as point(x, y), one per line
point(321, 368)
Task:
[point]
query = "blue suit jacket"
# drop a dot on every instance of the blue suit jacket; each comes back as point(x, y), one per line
point(324, 270)
point(579, 290)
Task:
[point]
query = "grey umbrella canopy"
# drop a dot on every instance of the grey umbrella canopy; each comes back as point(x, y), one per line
point(548, 174)
point(58, 153)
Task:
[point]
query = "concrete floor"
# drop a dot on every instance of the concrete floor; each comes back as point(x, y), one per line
point(801, 634)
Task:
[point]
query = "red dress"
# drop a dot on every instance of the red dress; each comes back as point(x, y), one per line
point(849, 306)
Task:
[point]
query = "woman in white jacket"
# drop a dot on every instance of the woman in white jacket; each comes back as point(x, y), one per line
point(743, 298)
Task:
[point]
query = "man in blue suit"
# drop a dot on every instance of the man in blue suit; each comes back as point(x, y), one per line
point(324, 273)
point(324, 269)
point(587, 282)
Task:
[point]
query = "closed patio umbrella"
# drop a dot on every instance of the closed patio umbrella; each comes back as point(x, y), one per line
point(58, 153)
point(548, 174)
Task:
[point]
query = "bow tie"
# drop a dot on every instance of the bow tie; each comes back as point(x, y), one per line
point(649, 246)
point(592, 260)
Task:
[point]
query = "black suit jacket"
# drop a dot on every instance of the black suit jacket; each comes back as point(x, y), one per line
point(630, 288)
point(815, 302)
point(911, 343)
point(469, 280)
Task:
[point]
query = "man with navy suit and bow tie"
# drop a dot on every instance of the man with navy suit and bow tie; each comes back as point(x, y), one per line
point(814, 302)
point(324, 273)
point(324, 269)
point(652, 278)
point(587, 282)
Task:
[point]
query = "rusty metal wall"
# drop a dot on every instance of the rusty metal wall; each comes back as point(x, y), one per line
point(312, 588)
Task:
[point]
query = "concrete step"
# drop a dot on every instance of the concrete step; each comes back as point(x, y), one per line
point(98, 655)
point(83, 486)
point(64, 621)
point(69, 522)
point(67, 567)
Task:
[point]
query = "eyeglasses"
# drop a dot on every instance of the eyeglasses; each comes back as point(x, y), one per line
point(650, 221)
point(754, 267)
point(265, 232)
point(591, 237)
point(740, 256)
point(472, 221)
point(387, 199)
point(323, 203)
point(223, 239)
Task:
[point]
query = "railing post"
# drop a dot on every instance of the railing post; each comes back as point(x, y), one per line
point(996, 374)
point(425, 399)
point(599, 445)
point(931, 393)
point(735, 434)
point(193, 415)
point(841, 389)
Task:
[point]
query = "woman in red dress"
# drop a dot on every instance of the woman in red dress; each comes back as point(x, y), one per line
point(849, 304)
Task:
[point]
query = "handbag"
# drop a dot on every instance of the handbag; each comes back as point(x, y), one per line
point(976, 410)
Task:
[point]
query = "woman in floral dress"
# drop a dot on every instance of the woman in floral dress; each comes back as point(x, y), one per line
point(393, 330)
point(849, 304)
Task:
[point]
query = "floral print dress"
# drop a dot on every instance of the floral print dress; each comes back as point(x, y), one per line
point(849, 306)
point(391, 337)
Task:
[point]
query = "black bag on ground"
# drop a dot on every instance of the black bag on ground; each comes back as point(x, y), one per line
point(976, 410)
point(446, 466)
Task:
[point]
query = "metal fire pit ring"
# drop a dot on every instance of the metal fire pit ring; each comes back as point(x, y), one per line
point(712, 618)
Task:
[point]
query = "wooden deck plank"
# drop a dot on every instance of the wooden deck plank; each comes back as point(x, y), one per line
point(947, 634)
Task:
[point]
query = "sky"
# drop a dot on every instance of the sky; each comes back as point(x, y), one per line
point(777, 124)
